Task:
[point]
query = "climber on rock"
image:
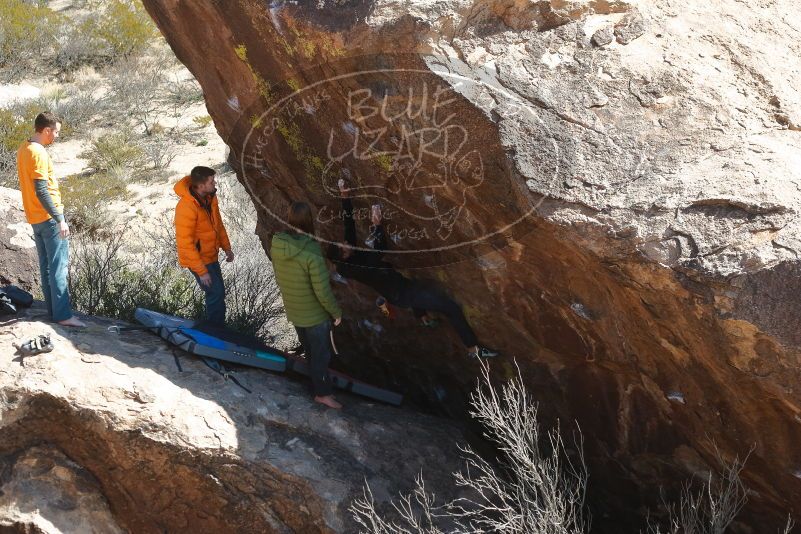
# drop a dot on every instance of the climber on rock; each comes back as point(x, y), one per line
point(302, 277)
point(199, 236)
point(369, 268)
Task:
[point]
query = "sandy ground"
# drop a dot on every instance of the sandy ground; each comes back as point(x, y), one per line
point(17, 91)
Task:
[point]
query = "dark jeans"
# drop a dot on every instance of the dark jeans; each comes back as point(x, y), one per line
point(215, 294)
point(317, 345)
point(53, 254)
point(421, 299)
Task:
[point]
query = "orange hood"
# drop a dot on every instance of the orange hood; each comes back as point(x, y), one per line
point(181, 187)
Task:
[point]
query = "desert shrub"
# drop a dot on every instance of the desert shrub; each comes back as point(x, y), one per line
point(13, 131)
point(124, 27)
point(78, 109)
point(87, 197)
point(709, 509)
point(120, 151)
point(28, 32)
point(534, 488)
point(203, 121)
point(113, 30)
point(75, 107)
point(253, 299)
point(106, 281)
point(182, 92)
point(159, 151)
point(78, 44)
point(711, 506)
point(136, 91)
point(33, 36)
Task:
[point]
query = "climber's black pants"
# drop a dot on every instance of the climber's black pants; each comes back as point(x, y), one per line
point(317, 346)
point(421, 299)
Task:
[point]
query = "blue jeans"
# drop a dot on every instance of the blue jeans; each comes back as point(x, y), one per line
point(317, 345)
point(215, 294)
point(53, 254)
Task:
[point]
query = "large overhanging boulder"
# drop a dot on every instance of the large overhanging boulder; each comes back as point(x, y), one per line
point(610, 188)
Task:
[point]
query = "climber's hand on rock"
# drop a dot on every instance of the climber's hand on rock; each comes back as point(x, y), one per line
point(343, 188)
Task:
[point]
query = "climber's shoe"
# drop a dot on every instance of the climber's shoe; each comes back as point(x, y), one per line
point(37, 345)
point(482, 352)
point(428, 322)
point(385, 308)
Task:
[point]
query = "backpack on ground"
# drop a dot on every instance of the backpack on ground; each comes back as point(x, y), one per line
point(18, 296)
point(6, 306)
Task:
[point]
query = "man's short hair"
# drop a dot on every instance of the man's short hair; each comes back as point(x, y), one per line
point(200, 175)
point(45, 119)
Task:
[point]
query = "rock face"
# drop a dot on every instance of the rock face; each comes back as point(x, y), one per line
point(46, 492)
point(610, 188)
point(106, 435)
point(18, 260)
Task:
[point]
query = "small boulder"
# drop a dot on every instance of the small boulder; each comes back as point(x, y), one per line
point(603, 37)
point(631, 27)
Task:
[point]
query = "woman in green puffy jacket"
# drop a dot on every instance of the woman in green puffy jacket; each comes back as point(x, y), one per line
point(302, 276)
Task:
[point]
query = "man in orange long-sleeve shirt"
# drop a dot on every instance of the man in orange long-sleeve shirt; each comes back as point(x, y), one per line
point(41, 200)
point(199, 236)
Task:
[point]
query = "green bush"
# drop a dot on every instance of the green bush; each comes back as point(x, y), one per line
point(202, 121)
point(115, 29)
point(125, 27)
point(28, 33)
point(34, 37)
point(87, 197)
point(13, 131)
point(116, 151)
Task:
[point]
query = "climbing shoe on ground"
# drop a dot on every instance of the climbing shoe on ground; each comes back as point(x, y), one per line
point(483, 352)
point(37, 345)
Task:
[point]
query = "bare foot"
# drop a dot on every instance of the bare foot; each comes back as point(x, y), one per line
point(329, 401)
point(73, 321)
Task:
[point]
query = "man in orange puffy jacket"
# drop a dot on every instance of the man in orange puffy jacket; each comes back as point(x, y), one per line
point(200, 234)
